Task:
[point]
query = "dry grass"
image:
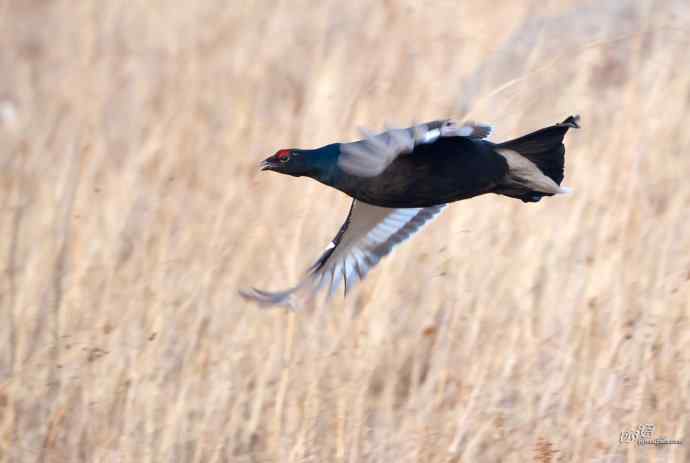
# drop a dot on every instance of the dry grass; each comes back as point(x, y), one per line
point(132, 212)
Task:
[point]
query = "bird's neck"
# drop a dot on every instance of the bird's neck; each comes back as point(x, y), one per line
point(323, 167)
point(325, 163)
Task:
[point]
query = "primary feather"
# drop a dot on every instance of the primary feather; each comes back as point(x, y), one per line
point(368, 234)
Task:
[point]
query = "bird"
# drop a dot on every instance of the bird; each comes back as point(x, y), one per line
point(403, 178)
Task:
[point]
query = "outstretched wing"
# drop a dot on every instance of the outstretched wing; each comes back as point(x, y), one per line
point(370, 157)
point(368, 234)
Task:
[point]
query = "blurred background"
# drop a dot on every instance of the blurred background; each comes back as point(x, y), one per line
point(133, 211)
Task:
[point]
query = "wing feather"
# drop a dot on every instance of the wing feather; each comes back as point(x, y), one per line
point(370, 156)
point(368, 234)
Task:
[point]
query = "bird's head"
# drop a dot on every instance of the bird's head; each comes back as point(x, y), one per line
point(296, 162)
point(285, 161)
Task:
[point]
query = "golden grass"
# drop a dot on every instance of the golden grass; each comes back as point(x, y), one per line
point(132, 212)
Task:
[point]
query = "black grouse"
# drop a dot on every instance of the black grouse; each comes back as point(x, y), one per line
point(401, 179)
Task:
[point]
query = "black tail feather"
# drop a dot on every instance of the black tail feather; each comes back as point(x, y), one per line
point(545, 149)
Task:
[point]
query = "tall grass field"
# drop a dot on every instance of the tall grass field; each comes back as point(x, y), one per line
point(133, 210)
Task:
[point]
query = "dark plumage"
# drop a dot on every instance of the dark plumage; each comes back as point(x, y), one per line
point(402, 178)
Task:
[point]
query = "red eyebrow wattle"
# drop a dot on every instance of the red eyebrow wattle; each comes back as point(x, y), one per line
point(282, 154)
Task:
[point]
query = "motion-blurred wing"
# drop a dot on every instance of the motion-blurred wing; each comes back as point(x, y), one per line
point(370, 157)
point(468, 129)
point(368, 234)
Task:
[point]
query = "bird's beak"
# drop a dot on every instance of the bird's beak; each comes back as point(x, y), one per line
point(269, 163)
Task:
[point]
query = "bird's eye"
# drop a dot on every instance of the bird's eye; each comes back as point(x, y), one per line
point(285, 158)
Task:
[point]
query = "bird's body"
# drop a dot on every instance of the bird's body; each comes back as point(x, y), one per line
point(403, 178)
point(448, 170)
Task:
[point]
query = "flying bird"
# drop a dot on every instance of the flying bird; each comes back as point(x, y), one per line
point(403, 178)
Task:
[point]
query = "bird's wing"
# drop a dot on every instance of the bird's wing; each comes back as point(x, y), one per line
point(368, 234)
point(468, 129)
point(370, 157)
